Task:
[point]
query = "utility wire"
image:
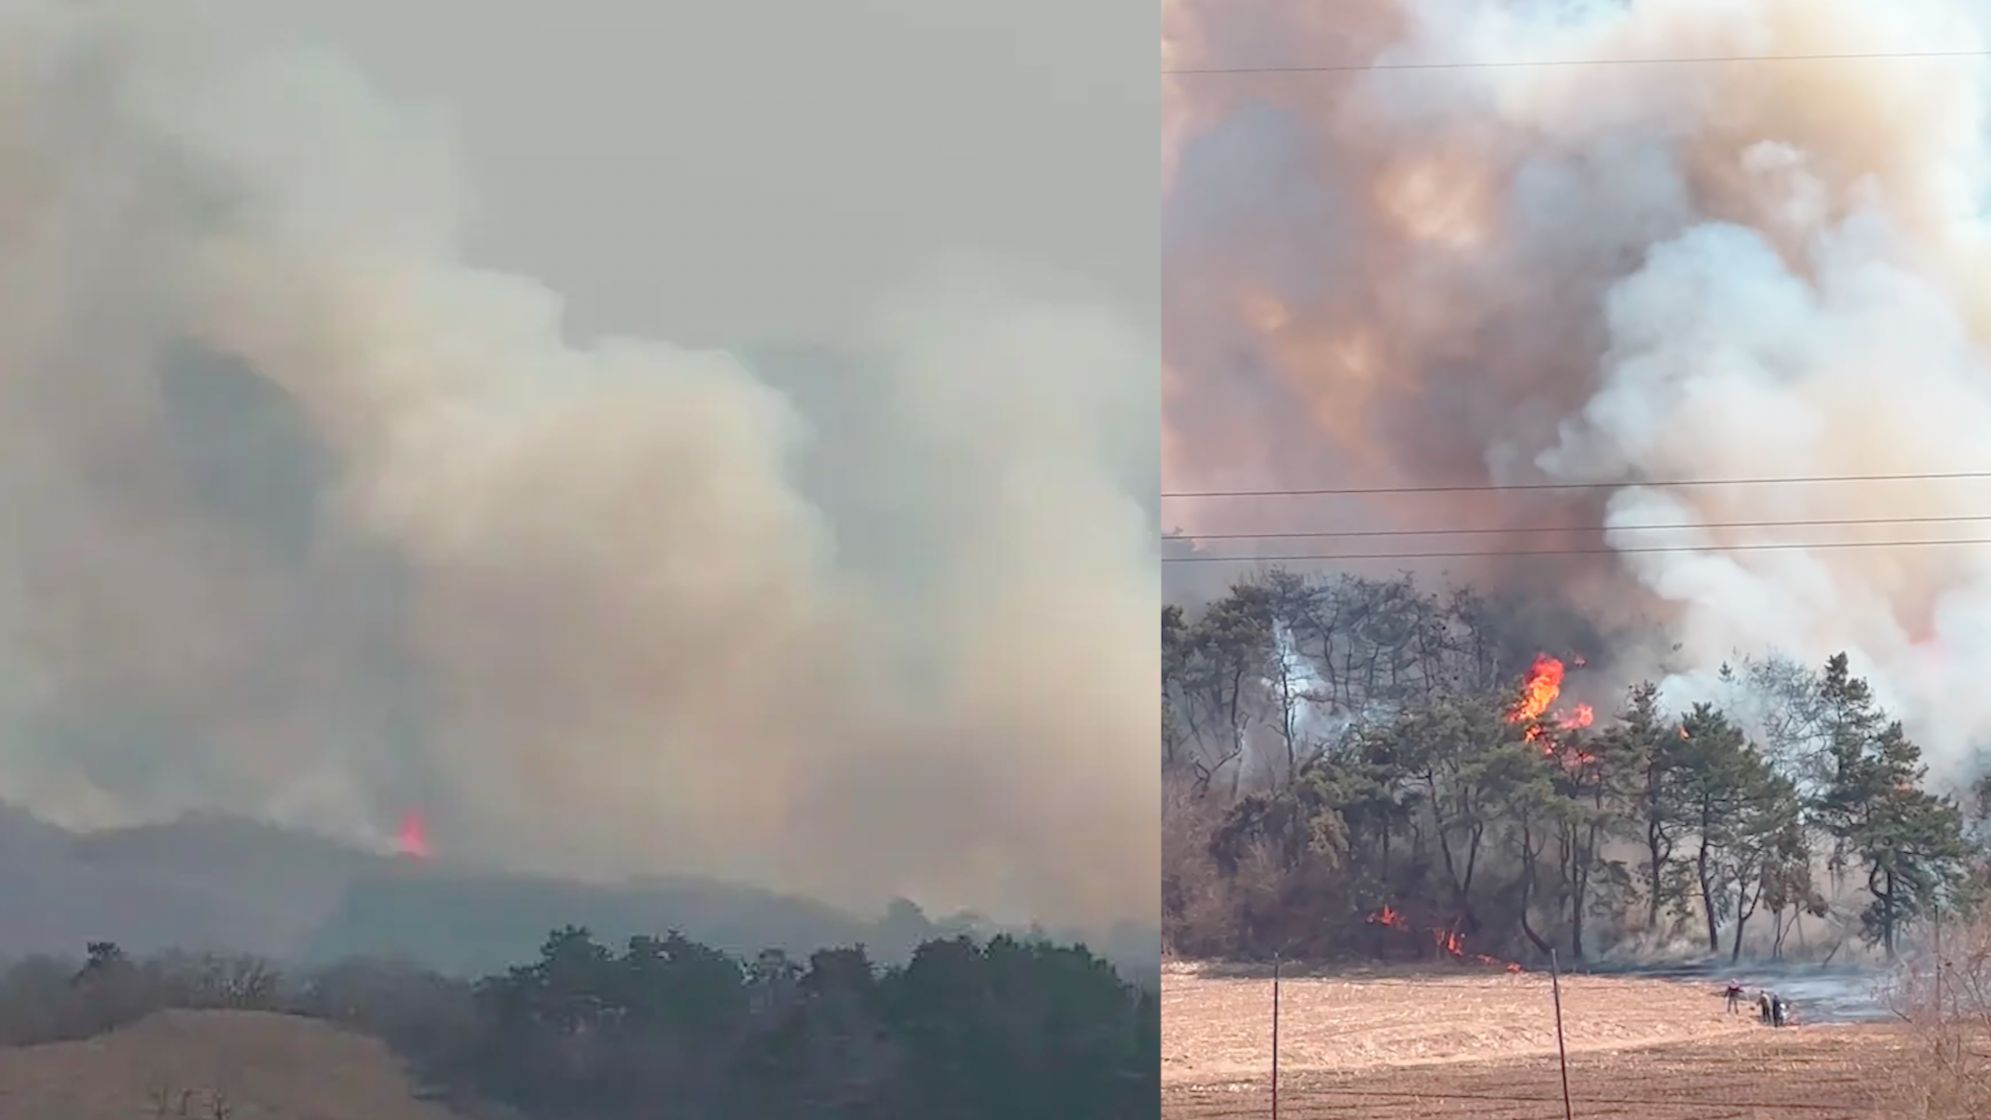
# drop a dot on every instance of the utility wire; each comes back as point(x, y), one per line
point(1621, 484)
point(1768, 546)
point(1518, 64)
point(1481, 530)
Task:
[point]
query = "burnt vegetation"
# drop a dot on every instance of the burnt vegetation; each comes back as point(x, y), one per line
point(668, 1027)
point(1360, 768)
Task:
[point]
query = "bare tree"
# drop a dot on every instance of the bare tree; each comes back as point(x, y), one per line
point(1943, 997)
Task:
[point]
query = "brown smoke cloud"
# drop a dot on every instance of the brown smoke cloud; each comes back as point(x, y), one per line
point(1604, 274)
point(311, 518)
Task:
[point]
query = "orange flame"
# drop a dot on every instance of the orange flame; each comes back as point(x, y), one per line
point(1538, 694)
point(1449, 941)
point(1539, 691)
point(1388, 916)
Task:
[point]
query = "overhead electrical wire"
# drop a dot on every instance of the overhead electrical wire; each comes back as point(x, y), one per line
point(1762, 546)
point(1807, 523)
point(1519, 63)
point(1619, 484)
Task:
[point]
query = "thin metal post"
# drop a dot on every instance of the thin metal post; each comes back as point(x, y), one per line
point(1561, 1055)
point(1936, 911)
point(1275, 1038)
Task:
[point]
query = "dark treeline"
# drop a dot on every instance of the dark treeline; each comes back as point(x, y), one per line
point(1359, 767)
point(666, 1027)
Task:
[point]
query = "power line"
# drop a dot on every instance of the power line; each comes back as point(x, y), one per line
point(1482, 530)
point(1769, 546)
point(1503, 487)
point(1518, 64)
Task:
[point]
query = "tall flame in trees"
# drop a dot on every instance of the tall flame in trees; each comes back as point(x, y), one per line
point(1539, 693)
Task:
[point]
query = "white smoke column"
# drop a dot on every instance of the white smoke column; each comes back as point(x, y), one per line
point(411, 544)
point(1605, 273)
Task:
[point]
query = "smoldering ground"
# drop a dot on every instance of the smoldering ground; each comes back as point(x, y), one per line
point(1603, 274)
point(310, 518)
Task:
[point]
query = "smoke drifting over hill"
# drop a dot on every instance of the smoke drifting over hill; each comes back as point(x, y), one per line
point(1610, 273)
point(309, 517)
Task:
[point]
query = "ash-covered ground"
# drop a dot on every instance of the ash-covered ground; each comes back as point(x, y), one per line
point(1821, 993)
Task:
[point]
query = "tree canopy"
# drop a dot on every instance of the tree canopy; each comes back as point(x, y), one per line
point(667, 1027)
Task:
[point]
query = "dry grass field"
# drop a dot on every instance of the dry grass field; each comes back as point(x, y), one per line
point(266, 1067)
point(1482, 1045)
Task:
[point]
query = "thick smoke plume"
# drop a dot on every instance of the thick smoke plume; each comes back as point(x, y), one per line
point(1605, 273)
point(309, 518)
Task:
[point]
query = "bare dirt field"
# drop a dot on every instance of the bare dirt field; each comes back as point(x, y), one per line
point(1473, 1044)
point(266, 1067)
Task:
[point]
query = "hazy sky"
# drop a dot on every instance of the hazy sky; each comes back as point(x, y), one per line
point(733, 169)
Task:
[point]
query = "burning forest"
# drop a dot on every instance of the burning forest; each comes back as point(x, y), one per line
point(1624, 356)
point(1429, 267)
point(1370, 768)
point(315, 513)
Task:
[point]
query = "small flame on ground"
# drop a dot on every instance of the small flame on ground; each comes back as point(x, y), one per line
point(1448, 940)
point(412, 840)
point(1388, 917)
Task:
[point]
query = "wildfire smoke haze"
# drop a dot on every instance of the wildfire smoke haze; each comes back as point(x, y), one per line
point(1438, 272)
point(313, 516)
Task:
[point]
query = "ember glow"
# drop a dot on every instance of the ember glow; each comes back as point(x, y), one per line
point(412, 840)
point(1388, 917)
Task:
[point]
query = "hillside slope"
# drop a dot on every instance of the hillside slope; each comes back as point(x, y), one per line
point(268, 1067)
point(213, 882)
